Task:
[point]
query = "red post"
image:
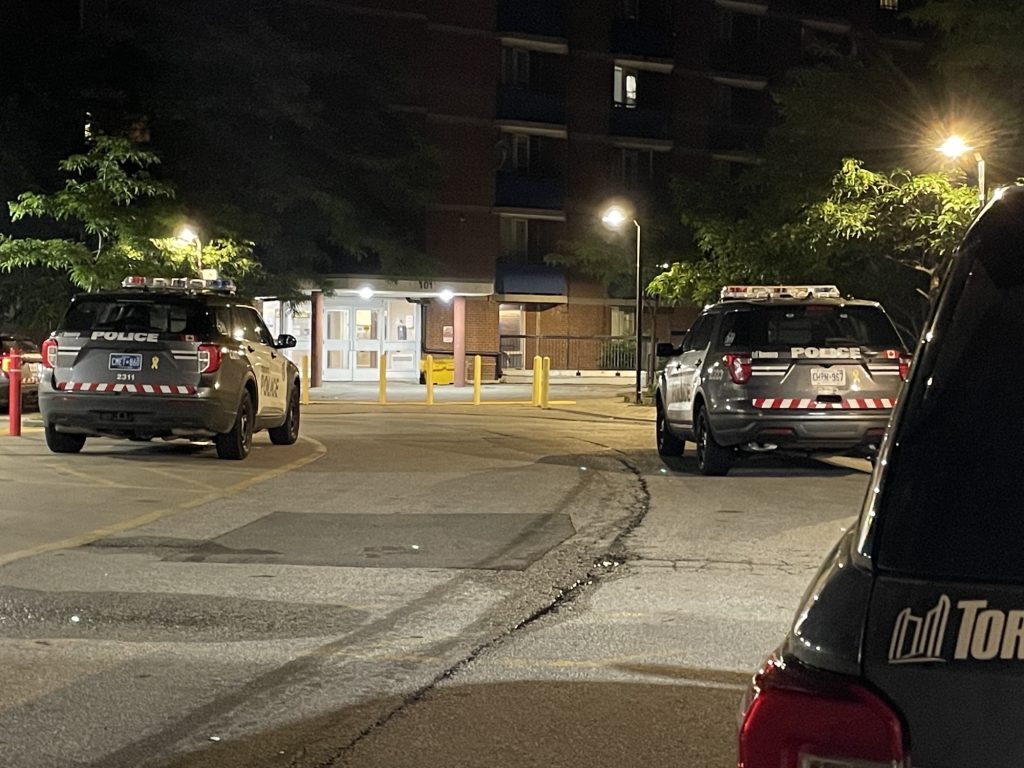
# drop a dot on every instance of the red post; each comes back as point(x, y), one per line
point(14, 393)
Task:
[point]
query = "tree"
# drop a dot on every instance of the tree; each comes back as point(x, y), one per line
point(116, 221)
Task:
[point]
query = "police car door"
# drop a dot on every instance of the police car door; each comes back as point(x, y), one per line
point(268, 363)
point(687, 369)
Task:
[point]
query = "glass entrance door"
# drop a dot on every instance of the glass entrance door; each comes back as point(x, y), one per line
point(366, 350)
point(337, 344)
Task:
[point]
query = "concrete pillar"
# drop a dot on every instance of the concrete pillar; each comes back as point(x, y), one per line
point(316, 338)
point(459, 321)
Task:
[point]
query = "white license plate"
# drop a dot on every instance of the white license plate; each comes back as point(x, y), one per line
point(828, 377)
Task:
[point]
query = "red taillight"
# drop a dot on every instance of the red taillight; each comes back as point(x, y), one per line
point(797, 717)
point(209, 358)
point(50, 353)
point(738, 367)
point(904, 366)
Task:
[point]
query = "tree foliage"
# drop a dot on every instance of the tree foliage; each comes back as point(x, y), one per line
point(116, 220)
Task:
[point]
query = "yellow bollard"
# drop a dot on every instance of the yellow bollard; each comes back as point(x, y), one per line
point(545, 382)
point(305, 379)
point(382, 398)
point(537, 373)
point(429, 378)
point(476, 379)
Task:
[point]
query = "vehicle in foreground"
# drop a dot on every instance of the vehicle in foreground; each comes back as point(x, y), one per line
point(910, 640)
point(767, 367)
point(30, 363)
point(171, 359)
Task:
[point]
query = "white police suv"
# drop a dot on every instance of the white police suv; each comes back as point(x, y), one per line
point(769, 367)
point(167, 358)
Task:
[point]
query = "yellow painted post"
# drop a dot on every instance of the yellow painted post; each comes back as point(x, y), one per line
point(429, 378)
point(383, 396)
point(545, 382)
point(537, 374)
point(305, 379)
point(476, 379)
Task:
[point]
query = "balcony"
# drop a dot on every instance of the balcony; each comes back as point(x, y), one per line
point(633, 39)
point(515, 103)
point(731, 137)
point(541, 18)
point(639, 123)
point(740, 59)
point(815, 9)
point(516, 191)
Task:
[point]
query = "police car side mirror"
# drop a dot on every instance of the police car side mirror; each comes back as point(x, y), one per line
point(285, 341)
point(665, 349)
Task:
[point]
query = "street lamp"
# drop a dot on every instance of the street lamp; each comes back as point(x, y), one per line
point(614, 218)
point(189, 234)
point(955, 146)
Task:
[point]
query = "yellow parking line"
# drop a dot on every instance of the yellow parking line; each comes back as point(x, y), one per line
point(319, 450)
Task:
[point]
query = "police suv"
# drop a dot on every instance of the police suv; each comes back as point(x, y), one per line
point(908, 645)
point(167, 358)
point(791, 366)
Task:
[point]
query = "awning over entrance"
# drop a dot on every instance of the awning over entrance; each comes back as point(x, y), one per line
point(533, 283)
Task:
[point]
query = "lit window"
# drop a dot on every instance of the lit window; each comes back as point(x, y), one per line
point(889, 5)
point(625, 87)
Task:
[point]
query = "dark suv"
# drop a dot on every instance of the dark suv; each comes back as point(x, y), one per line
point(795, 367)
point(911, 637)
point(167, 359)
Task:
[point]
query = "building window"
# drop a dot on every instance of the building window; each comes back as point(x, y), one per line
point(631, 9)
point(515, 66)
point(625, 90)
point(515, 153)
point(889, 5)
point(515, 237)
point(635, 168)
point(623, 322)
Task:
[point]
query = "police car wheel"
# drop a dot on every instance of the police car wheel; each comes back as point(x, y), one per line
point(237, 443)
point(62, 442)
point(668, 444)
point(712, 458)
point(288, 432)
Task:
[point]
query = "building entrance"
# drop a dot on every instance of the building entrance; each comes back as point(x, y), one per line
point(358, 333)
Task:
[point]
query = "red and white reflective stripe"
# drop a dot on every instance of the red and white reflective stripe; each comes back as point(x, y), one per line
point(149, 389)
point(779, 403)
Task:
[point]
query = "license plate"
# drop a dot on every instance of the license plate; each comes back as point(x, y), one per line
point(828, 377)
point(124, 362)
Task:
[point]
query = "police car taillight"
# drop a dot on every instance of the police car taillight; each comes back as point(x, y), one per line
point(209, 358)
point(738, 367)
point(49, 351)
point(797, 717)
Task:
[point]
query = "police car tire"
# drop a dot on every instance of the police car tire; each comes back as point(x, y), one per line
point(237, 443)
point(712, 459)
point(668, 443)
point(288, 432)
point(62, 442)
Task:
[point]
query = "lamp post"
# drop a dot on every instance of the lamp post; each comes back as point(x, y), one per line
point(955, 146)
point(189, 234)
point(613, 218)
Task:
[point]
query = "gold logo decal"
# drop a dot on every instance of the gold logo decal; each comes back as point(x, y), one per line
point(154, 362)
point(856, 377)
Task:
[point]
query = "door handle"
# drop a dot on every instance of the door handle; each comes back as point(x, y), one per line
point(697, 364)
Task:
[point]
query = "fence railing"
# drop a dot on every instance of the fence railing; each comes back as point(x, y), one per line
point(571, 353)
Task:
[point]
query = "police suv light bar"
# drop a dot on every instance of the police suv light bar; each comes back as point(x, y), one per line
point(219, 284)
point(780, 292)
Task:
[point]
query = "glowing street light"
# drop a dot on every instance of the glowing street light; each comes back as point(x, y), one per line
point(189, 235)
point(615, 217)
point(954, 147)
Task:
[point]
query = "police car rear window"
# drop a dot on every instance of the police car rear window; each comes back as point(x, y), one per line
point(951, 504)
point(136, 314)
point(811, 325)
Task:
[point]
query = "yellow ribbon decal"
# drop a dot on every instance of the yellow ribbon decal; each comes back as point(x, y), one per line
point(154, 362)
point(856, 377)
